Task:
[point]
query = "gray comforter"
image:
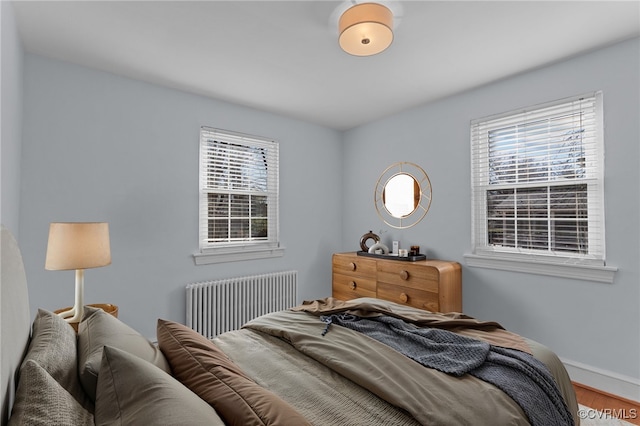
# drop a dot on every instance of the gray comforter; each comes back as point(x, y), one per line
point(346, 377)
point(516, 373)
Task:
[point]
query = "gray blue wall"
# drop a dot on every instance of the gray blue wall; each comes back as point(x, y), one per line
point(98, 147)
point(591, 323)
point(11, 127)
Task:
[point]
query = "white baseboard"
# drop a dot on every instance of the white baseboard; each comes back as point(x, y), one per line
point(604, 380)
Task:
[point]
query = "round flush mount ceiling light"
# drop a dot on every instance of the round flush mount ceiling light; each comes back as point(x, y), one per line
point(366, 29)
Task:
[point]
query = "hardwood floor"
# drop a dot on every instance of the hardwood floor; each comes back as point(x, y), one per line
point(621, 408)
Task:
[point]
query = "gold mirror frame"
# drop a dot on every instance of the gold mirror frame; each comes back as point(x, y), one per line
point(422, 195)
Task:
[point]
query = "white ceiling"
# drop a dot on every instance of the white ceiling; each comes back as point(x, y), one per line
point(283, 56)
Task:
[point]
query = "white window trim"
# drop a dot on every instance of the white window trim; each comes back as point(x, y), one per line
point(603, 274)
point(232, 252)
point(517, 260)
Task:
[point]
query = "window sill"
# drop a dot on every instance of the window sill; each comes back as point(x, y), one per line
point(234, 255)
point(604, 274)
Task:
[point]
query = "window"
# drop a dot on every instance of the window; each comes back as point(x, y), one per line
point(238, 197)
point(537, 186)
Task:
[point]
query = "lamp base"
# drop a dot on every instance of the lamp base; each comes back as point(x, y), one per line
point(107, 307)
point(75, 314)
point(67, 313)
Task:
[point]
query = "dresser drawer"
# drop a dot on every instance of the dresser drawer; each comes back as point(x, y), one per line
point(409, 296)
point(354, 265)
point(346, 287)
point(420, 277)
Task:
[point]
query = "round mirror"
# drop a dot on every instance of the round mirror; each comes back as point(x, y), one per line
point(403, 195)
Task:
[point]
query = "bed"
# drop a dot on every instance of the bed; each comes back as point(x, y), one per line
point(325, 362)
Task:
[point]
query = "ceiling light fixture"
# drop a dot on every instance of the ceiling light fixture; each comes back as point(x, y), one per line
point(366, 29)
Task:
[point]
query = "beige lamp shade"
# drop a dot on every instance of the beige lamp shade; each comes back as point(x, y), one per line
point(366, 29)
point(78, 245)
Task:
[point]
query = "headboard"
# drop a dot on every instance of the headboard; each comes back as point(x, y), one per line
point(15, 318)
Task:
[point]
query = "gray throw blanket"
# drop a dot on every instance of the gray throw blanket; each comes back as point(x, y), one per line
point(525, 379)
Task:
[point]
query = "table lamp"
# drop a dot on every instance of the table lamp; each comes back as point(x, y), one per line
point(79, 246)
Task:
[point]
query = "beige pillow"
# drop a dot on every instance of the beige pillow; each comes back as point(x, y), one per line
point(41, 400)
point(99, 329)
point(201, 366)
point(132, 391)
point(54, 347)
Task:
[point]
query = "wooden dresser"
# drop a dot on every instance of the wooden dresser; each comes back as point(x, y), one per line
point(434, 285)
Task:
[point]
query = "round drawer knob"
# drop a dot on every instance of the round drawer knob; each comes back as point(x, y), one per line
point(352, 285)
point(404, 298)
point(404, 275)
point(352, 266)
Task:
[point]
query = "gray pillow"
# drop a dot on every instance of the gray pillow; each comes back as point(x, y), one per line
point(54, 347)
point(131, 391)
point(40, 400)
point(98, 329)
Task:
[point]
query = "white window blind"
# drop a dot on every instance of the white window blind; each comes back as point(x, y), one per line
point(238, 191)
point(537, 182)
